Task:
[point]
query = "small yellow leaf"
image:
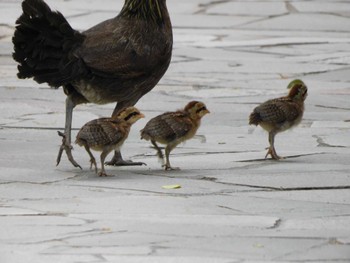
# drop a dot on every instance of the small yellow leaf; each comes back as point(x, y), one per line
point(173, 186)
point(259, 245)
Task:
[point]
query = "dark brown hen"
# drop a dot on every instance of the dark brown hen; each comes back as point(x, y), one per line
point(118, 60)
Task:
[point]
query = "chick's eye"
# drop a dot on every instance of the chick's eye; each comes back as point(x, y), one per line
point(201, 109)
point(131, 115)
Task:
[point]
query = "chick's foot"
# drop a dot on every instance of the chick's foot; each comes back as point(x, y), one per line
point(170, 168)
point(271, 151)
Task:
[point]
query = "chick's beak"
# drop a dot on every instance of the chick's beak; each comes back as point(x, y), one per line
point(142, 115)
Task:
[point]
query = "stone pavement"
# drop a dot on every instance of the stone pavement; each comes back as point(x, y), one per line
point(233, 206)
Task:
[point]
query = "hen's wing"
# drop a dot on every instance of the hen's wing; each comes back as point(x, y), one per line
point(123, 48)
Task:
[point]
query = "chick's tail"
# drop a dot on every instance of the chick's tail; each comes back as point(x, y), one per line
point(44, 45)
point(254, 118)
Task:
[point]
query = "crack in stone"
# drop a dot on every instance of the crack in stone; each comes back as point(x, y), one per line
point(321, 143)
point(5, 126)
point(187, 59)
point(285, 157)
point(277, 224)
point(34, 214)
point(203, 8)
point(154, 248)
point(285, 189)
point(207, 178)
point(319, 72)
point(317, 246)
point(261, 187)
point(41, 183)
point(331, 107)
point(147, 155)
point(214, 193)
point(223, 192)
point(68, 236)
point(260, 20)
point(320, 260)
point(231, 209)
point(312, 188)
point(291, 8)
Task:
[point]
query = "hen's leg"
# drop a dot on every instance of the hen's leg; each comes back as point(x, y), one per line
point(117, 159)
point(66, 140)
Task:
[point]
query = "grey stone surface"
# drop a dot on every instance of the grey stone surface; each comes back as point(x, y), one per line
point(233, 206)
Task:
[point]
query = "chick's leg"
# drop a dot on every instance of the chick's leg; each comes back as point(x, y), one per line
point(167, 165)
point(159, 151)
point(92, 158)
point(66, 140)
point(271, 150)
point(103, 157)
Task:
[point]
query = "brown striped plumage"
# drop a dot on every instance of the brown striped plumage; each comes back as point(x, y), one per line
point(280, 114)
point(107, 134)
point(172, 128)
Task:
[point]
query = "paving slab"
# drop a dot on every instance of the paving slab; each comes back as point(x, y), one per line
point(233, 205)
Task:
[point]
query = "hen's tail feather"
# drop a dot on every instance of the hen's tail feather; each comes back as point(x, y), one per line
point(44, 45)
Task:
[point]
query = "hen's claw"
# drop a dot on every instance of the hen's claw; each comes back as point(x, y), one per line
point(67, 149)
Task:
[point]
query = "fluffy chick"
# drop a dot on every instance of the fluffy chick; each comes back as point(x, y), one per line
point(173, 128)
point(107, 134)
point(280, 114)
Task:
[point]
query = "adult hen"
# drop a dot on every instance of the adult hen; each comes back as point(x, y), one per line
point(118, 60)
point(280, 114)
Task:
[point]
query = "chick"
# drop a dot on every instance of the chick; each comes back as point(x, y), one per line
point(280, 114)
point(107, 134)
point(173, 128)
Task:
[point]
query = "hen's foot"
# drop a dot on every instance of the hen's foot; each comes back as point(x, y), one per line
point(272, 152)
point(119, 161)
point(67, 149)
